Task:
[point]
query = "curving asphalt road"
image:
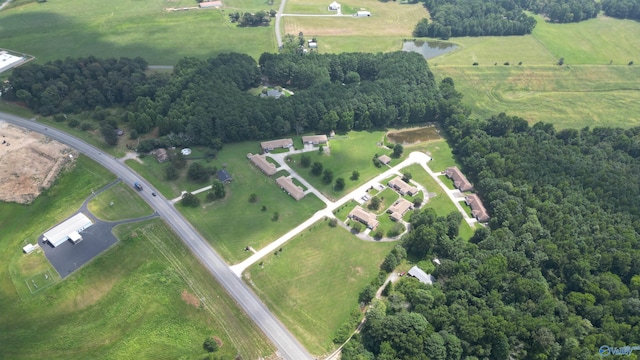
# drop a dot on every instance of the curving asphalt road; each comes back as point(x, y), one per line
point(288, 346)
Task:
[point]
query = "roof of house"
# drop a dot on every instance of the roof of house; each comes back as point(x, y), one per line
point(60, 233)
point(477, 208)
point(162, 155)
point(399, 207)
point(264, 165)
point(402, 186)
point(287, 184)
point(422, 276)
point(385, 159)
point(366, 217)
point(206, 4)
point(223, 175)
point(272, 93)
point(319, 139)
point(274, 144)
point(459, 180)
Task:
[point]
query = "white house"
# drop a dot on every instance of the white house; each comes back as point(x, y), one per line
point(362, 13)
point(334, 6)
point(68, 230)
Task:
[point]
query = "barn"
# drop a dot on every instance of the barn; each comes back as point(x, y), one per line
point(67, 230)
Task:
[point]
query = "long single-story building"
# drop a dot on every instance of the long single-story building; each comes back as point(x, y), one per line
point(402, 187)
point(459, 180)
point(477, 208)
point(315, 139)
point(68, 230)
point(422, 276)
point(399, 208)
point(262, 164)
point(384, 159)
point(276, 144)
point(290, 187)
point(210, 4)
point(367, 218)
point(8, 61)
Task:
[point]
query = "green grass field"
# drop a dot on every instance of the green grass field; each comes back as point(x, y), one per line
point(313, 284)
point(119, 202)
point(354, 151)
point(232, 223)
point(57, 29)
point(134, 301)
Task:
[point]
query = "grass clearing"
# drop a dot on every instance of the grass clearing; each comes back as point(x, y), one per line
point(313, 284)
point(130, 297)
point(387, 198)
point(125, 28)
point(118, 203)
point(353, 152)
point(338, 44)
point(567, 96)
point(440, 153)
point(232, 223)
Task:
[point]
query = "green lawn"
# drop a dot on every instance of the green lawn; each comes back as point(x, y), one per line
point(441, 202)
point(313, 284)
point(338, 44)
point(129, 301)
point(232, 223)
point(118, 203)
point(440, 153)
point(387, 198)
point(57, 29)
point(353, 152)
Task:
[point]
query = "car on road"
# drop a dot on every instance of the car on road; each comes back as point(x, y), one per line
point(154, 194)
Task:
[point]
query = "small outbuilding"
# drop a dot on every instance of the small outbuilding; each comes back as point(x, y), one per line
point(312, 44)
point(384, 159)
point(224, 176)
point(29, 248)
point(362, 13)
point(422, 276)
point(162, 155)
point(334, 6)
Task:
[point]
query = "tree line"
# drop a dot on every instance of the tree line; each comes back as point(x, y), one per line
point(622, 9)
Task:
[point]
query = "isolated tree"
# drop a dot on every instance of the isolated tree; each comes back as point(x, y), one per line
point(211, 196)
point(397, 150)
point(218, 189)
point(188, 199)
point(327, 177)
point(305, 161)
point(355, 175)
point(253, 198)
point(339, 184)
point(406, 177)
point(375, 203)
point(197, 172)
point(276, 216)
point(356, 227)
point(316, 169)
point(171, 173)
point(178, 160)
point(211, 345)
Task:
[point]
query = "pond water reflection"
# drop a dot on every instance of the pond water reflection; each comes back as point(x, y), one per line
point(428, 49)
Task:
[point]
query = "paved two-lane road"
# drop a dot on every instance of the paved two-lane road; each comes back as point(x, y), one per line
point(288, 346)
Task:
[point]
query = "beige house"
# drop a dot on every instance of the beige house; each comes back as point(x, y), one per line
point(367, 218)
point(162, 155)
point(262, 164)
point(315, 139)
point(402, 187)
point(384, 159)
point(459, 180)
point(290, 187)
point(276, 144)
point(477, 208)
point(399, 208)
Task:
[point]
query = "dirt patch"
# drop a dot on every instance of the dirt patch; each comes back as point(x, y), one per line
point(190, 299)
point(29, 163)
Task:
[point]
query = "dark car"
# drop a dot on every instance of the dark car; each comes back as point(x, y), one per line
point(154, 194)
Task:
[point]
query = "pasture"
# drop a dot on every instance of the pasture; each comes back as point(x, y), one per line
point(119, 202)
point(57, 29)
point(232, 223)
point(313, 284)
point(133, 297)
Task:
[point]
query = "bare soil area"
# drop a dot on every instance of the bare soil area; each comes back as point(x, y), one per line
point(29, 163)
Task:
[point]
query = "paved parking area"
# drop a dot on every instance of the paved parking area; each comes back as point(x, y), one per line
point(68, 257)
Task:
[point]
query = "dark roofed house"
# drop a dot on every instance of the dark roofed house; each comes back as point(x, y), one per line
point(224, 176)
point(384, 159)
point(477, 208)
point(161, 155)
point(459, 180)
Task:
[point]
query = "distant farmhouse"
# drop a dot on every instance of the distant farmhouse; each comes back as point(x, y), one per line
point(477, 209)
point(367, 218)
point(399, 208)
point(290, 187)
point(402, 187)
point(262, 164)
point(459, 180)
point(315, 139)
point(422, 276)
point(276, 144)
point(334, 6)
point(68, 230)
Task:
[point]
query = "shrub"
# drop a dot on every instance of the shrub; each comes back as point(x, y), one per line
point(211, 345)
point(73, 123)
point(188, 199)
point(333, 222)
point(475, 64)
point(356, 227)
point(86, 126)
point(253, 198)
point(355, 175)
point(59, 118)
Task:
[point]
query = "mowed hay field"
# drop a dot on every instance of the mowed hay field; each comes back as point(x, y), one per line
point(139, 299)
point(313, 284)
point(586, 91)
point(57, 29)
point(387, 19)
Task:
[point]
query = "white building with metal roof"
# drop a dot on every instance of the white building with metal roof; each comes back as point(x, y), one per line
point(422, 276)
point(68, 230)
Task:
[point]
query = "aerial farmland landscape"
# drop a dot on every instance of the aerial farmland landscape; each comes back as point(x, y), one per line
point(298, 179)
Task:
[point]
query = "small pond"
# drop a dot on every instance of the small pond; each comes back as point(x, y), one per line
point(411, 136)
point(428, 49)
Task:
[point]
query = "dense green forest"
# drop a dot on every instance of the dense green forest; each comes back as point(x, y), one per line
point(622, 9)
point(206, 102)
point(556, 275)
point(498, 17)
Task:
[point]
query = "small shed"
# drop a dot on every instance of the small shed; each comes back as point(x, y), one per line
point(334, 6)
point(224, 176)
point(313, 44)
point(362, 13)
point(384, 159)
point(28, 249)
point(422, 276)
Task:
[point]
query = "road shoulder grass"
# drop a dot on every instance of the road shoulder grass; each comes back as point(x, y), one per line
point(119, 202)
